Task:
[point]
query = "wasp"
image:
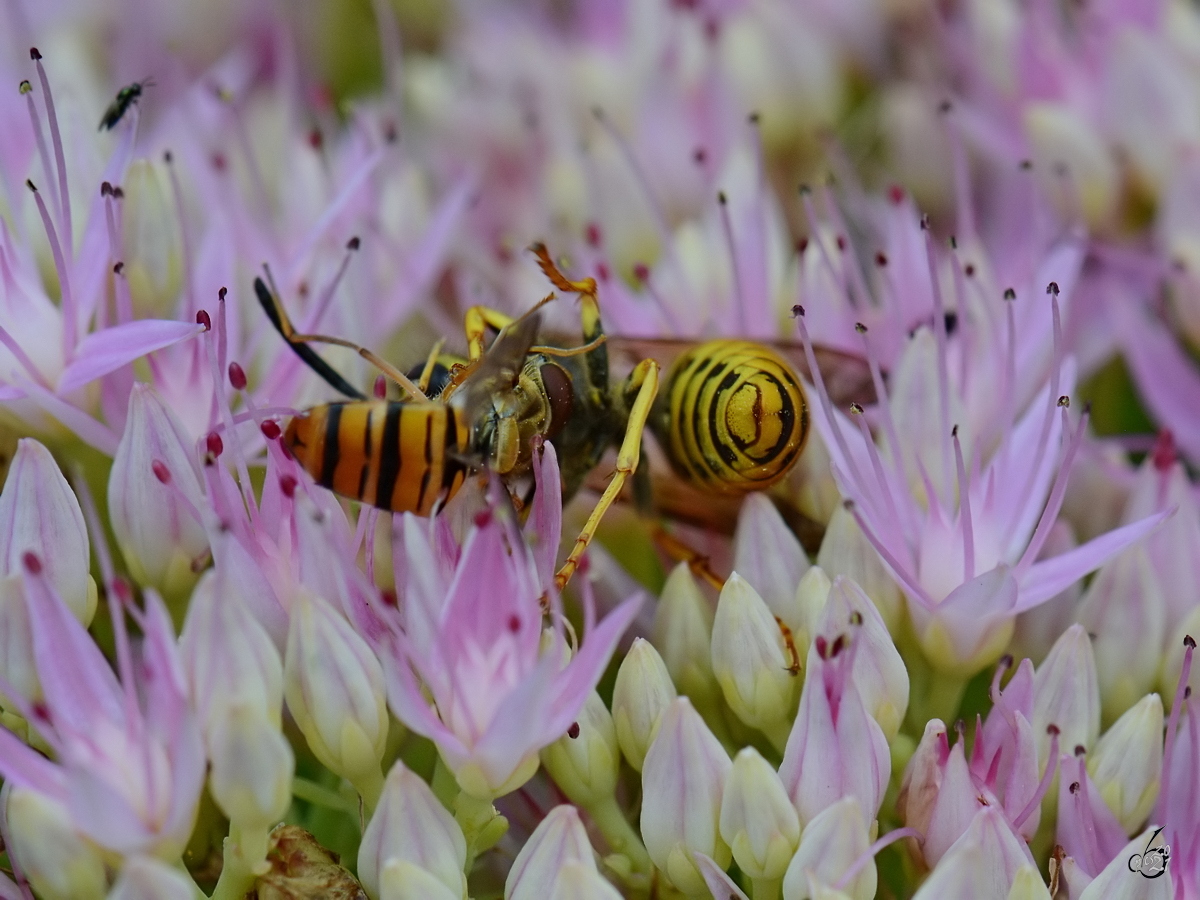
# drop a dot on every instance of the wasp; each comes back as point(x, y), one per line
point(126, 97)
point(731, 417)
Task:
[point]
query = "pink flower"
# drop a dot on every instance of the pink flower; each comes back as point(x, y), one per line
point(471, 632)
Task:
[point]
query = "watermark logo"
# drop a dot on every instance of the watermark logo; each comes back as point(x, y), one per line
point(1151, 862)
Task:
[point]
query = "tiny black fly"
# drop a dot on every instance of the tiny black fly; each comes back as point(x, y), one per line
point(126, 97)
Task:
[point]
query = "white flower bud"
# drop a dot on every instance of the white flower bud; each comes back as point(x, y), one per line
point(39, 513)
point(683, 635)
point(147, 878)
point(155, 529)
point(845, 550)
point(751, 660)
point(832, 842)
point(334, 688)
point(758, 821)
point(252, 767)
point(585, 766)
point(683, 780)
point(559, 840)
point(59, 863)
point(1127, 762)
point(411, 826)
point(767, 554)
point(403, 880)
point(641, 693)
point(1066, 693)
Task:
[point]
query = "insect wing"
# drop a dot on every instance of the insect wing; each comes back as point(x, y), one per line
point(847, 377)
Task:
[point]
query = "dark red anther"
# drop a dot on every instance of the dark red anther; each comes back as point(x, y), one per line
point(1074, 787)
point(380, 389)
point(641, 271)
point(1053, 729)
point(896, 194)
point(1189, 642)
point(168, 157)
point(1164, 454)
point(34, 54)
point(573, 731)
point(699, 156)
point(40, 711)
point(32, 564)
point(482, 518)
point(315, 139)
point(1052, 288)
point(221, 294)
point(797, 310)
point(354, 243)
point(118, 268)
point(202, 318)
point(881, 259)
point(214, 444)
point(122, 589)
point(161, 472)
point(839, 644)
point(287, 484)
point(801, 245)
point(118, 193)
point(105, 189)
point(591, 234)
point(841, 242)
point(969, 270)
point(514, 624)
point(237, 376)
point(721, 198)
point(602, 271)
point(1080, 750)
point(822, 647)
point(218, 161)
point(270, 429)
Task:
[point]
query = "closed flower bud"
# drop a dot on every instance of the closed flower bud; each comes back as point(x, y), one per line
point(147, 878)
point(411, 826)
point(334, 688)
point(577, 881)
point(585, 765)
point(683, 635)
point(683, 781)
point(1125, 612)
point(155, 522)
point(846, 551)
point(811, 596)
point(403, 880)
point(752, 662)
point(559, 840)
point(758, 821)
point(251, 768)
point(39, 513)
point(1066, 693)
point(641, 693)
point(59, 863)
point(1116, 881)
point(767, 554)
point(1127, 762)
point(830, 845)
point(987, 856)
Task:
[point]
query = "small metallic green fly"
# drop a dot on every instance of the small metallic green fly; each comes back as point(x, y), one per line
point(126, 97)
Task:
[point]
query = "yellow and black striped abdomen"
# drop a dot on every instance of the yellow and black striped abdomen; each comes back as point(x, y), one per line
point(390, 454)
point(735, 418)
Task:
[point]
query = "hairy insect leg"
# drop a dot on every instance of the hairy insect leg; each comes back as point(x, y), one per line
point(589, 313)
point(406, 383)
point(644, 380)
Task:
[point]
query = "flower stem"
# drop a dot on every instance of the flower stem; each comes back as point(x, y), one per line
point(481, 825)
point(237, 875)
point(766, 888)
point(369, 785)
point(620, 835)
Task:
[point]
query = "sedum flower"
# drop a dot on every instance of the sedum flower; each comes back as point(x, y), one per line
point(1087, 829)
point(411, 826)
point(751, 662)
point(335, 691)
point(1126, 765)
point(472, 634)
point(835, 748)
point(758, 821)
point(154, 496)
point(557, 861)
point(683, 783)
point(642, 691)
point(984, 863)
point(768, 556)
point(1066, 693)
point(829, 847)
point(683, 629)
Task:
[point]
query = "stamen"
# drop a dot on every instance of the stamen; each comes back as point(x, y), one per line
point(39, 138)
point(185, 240)
point(943, 375)
point(902, 575)
point(850, 261)
point(658, 213)
point(1047, 776)
point(735, 271)
point(222, 329)
point(814, 226)
point(124, 301)
point(227, 420)
point(877, 466)
point(322, 304)
point(964, 209)
point(1181, 691)
point(1094, 859)
point(642, 273)
point(60, 264)
point(964, 506)
point(26, 363)
point(1057, 492)
point(64, 197)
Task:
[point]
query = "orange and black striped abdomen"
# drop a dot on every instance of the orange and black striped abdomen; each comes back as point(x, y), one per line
point(389, 454)
point(733, 416)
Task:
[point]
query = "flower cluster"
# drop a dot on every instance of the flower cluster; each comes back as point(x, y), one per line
point(948, 652)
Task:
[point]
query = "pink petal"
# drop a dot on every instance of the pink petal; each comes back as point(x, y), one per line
point(105, 351)
point(1049, 577)
point(714, 876)
point(21, 765)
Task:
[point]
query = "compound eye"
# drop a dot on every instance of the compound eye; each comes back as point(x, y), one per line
point(559, 394)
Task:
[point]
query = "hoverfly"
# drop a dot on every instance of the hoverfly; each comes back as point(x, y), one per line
point(732, 416)
point(126, 97)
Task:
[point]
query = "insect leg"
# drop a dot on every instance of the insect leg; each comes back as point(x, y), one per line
point(406, 384)
point(279, 318)
point(476, 323)
point(589, 313)
point(643, 379)
point(430, 362)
